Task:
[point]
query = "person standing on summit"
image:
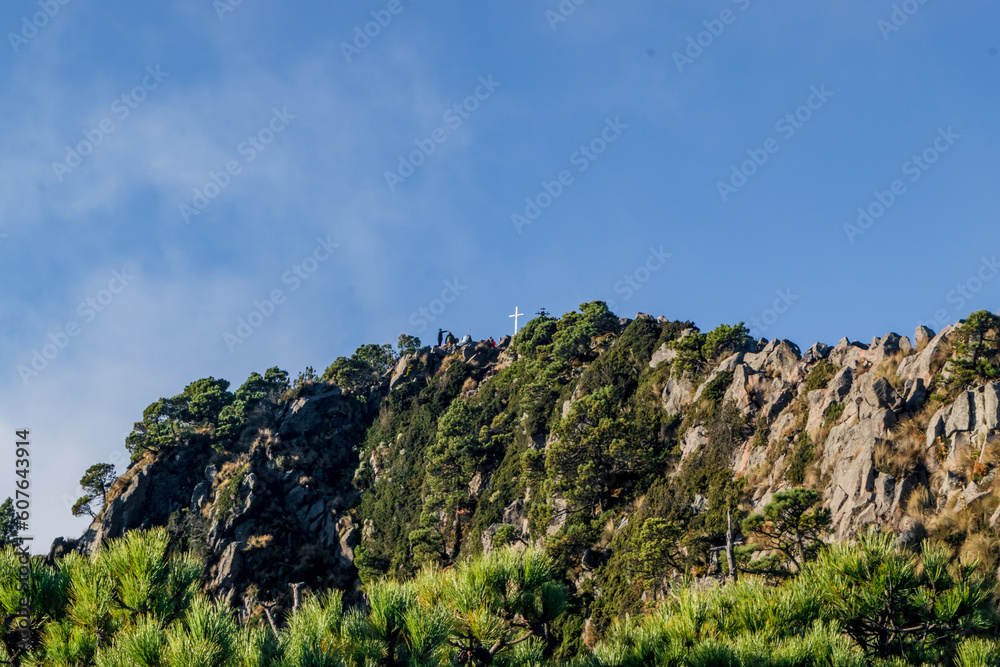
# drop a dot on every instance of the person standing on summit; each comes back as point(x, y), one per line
point(440, 336)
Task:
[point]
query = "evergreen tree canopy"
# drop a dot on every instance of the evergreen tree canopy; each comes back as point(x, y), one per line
point(364, 368)
point(977, 350)
point(96, 483)
point(8, 523)
point(792, 524)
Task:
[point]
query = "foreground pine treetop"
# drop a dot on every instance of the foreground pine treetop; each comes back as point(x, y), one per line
point(866, 603)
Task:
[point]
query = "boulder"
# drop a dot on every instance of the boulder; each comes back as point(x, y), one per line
point(700, 504)
point(914, 394)
point(885, 494)
point(560, 511)
point(310, 515)
point(399, 371)
point(839, 386)
point(695, 438)
point(905, 346)
point(677, 395)
point(488, 535)
point(200, 495)
point(958, 453)
point(971, 494)
point(817, 352)
point(477, 485)
point(296, 498)
point(883, 395)
point(904, 488)
point(591, 559)
point(228, 568)
point(883, 348)
point(923, 336)
point(935, 428)
point(849, 461)
point(911, 534)
point(663, 354)
point(988, 406)
point(848, 353)
point(514, 515)
point(951, 487)
point(925, 364)
point(780, 359)
point(61, 547)
point(962, 416)
point(349, 537)
point(250, 489)
point(128, 510)
point(308, 414)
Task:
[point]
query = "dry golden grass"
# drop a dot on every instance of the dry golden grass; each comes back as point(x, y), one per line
point(954, 527)
point(264, 438)
point(981, 548)
point(911, 428)
point(446, 364)
point(756, 476)
point(385, 417)
point(800, 409)
point(965, 460)
point(824, 432)
point(260, 541)
point(899, 458)
point(937, 479)
point(812, 476)
point(992, 501)
point(887, 369)
point(468, 385)
point(916, 426)
point(941, 356)
point(920, 502)
point(991, 457)
point(942, 525)
point(227, 470)
point(126, 477)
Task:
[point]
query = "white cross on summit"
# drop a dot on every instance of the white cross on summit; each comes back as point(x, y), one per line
point(516, 315)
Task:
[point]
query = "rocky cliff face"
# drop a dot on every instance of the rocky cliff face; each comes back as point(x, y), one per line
point(272, 512)
point(873, 410)
point(327, 471)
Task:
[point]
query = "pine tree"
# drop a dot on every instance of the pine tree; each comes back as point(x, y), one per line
point(96, 483)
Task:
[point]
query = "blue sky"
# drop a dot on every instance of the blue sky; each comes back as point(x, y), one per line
point(166, 169)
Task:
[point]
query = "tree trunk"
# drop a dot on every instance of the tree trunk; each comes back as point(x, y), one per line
point(270, 619)
point(296, 595)
point(729, 545)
